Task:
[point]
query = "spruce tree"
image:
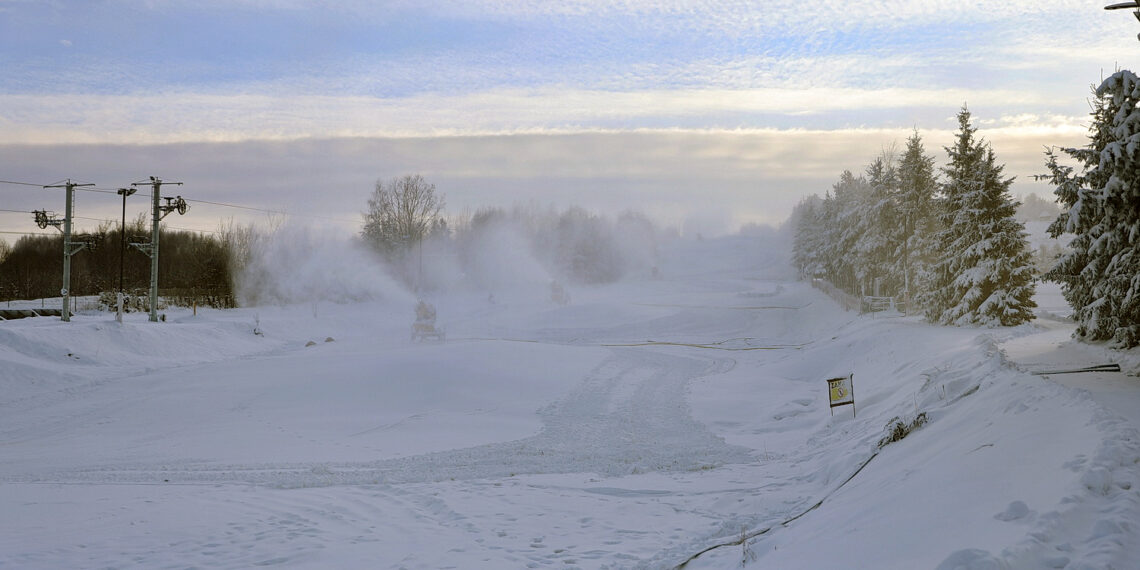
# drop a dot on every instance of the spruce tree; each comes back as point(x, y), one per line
point(984, 275)
point(808, 243)
point(877, 225)
point(842, 231)
point(1100, 271)
point(916, 206)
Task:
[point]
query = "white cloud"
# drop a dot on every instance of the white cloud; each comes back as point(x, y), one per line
point(781, 57)
point(187, 117)
point(748, 105)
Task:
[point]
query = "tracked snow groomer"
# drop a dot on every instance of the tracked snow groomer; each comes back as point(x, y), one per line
point(425, 327)
point(558, 294)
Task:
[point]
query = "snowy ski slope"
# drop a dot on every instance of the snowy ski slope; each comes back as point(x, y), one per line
point(643, 424)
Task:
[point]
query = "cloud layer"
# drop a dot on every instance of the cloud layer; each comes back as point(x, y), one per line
point(736, 177)
point(672, 108)
point(171, 70)
point(188, 117)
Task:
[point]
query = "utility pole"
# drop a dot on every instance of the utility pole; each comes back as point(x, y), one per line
point(124, 192)
point(158, 212)
point(69, 248)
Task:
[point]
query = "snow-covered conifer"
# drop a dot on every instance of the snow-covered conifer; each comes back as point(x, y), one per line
point(1101, 269)
point(877, 224)
point(984, 274)
point(808, 243)
point(917, 207)
point(841, 231)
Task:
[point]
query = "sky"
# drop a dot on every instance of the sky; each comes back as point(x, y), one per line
point(706, 115)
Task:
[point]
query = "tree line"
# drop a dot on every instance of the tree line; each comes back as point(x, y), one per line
point(190, 264)
point(952, 248)
point(403, 225)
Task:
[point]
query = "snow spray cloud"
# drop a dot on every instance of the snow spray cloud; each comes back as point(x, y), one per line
point(524, 245)
point(496, 253)
point(296, 264)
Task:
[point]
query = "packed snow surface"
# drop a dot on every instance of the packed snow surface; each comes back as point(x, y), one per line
point(653, 423)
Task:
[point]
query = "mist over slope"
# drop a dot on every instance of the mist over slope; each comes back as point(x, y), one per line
point(491, 250)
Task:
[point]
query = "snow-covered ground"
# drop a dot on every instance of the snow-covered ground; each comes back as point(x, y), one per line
point(641, 425)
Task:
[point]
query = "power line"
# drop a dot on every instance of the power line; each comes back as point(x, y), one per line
point(99, 190)
point(193, 230)
point(116, 222)
point(105, 220)
point(210, 202)
point(56, 185)
point(21, 183)
point(27, 233)
point(268, 211)
point(236, 206)
point(67, 181)
point(53, 186)
point(94, 219)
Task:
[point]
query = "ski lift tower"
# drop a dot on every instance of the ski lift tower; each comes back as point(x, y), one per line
point(1134, 5)
point(158, 212)
point(70, 248)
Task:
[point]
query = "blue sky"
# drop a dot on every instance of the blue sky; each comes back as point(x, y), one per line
point(666, 107)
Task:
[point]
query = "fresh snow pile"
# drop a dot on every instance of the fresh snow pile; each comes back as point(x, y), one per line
point(649, 424)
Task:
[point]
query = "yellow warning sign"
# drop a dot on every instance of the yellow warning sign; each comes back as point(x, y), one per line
point(840, 391)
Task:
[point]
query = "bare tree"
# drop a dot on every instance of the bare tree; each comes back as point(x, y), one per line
point(401, 213)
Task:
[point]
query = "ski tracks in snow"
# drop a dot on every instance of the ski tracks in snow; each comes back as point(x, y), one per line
point(628, 416)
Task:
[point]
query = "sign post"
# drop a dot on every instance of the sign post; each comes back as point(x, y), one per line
point(841, 392)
